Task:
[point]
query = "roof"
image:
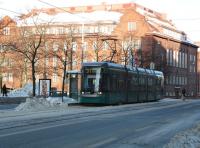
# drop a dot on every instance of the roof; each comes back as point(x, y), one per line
point(161, 25)
point(158, 22)
point(78, 18)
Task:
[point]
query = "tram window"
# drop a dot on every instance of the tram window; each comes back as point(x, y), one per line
point(113, 84)
point(121, 84)
point(134, 80)
point(91, 81)
point(150, 82)
point(142, 81)
point(158, 81)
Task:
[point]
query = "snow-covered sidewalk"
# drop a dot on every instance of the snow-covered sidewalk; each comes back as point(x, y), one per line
point(37, 104)
point(186, 139)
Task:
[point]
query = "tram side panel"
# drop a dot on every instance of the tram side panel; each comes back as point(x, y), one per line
point(132, 88)
point(117, 86)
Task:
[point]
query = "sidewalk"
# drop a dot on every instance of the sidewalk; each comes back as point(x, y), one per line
point(12, 100)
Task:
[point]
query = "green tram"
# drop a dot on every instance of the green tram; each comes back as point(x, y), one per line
point(109, 83)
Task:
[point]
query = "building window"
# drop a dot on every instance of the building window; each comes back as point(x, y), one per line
point(96, 29)
point(55, 77)
point(174, 58)
point(54, 61)
point(55, 47)
point(167, 56)
point(91, 29)
point(179, 59)
point(131, 26)
point(74, 46)
point(46, 61)
point(2, 48)
point(4, 77)
point(186, 60)
point(74, 63)
point(85, 44)
point(9, 63)
point(166, 80)
point(61, 30)
point(10, 77)
point(46, 46)
point(6, 31)
point(170, 57)
point(183, 60)
point(105, 45)
point(137, 44)
point(65, 46)
point(94, 45)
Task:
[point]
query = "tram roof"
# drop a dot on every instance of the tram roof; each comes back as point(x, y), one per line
point(103, 64)
point(73, 72)
point(159, 73)
point(119, 66)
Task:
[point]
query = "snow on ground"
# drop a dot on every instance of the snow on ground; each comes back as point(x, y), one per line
point(35, 104)
point(187, 139)
point(59, 100)
point(169, 100)
point(25, 91)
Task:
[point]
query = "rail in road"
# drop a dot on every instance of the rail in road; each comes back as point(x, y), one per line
point(32, 118)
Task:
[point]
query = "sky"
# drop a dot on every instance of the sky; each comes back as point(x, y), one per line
point(185, 14)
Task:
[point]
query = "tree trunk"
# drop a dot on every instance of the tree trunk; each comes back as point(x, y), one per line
point(63, 82)
point(33, 77)
point(97, 57)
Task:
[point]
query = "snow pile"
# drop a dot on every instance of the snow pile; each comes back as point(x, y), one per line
point(26, 91)
point(169, 100)
point(66, 17)
point(186, 139)
point(35, 104)
point(58, 100)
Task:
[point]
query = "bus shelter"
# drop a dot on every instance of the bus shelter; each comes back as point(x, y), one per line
point(73, 83)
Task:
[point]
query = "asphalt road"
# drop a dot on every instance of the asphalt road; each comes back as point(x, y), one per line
point(8, 106)
point(130, 127)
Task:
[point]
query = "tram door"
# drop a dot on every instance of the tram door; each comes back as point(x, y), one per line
point(74, 86)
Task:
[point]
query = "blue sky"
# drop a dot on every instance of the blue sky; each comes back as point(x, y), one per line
point(184, 13)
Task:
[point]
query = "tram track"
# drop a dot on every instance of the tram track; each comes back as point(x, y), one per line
point(82, 116)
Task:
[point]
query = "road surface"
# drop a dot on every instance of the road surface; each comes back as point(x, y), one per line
point(129, 126)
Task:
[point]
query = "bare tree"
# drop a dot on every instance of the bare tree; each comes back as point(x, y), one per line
point(131, 50)
point(6, 23)
point(96, 43)
point(2, 59)
point(29, 43)
point(65, 52)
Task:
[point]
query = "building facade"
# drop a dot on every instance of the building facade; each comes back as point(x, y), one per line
point(124, 33)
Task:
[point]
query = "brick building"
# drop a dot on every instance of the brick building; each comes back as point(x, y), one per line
point(126, 33)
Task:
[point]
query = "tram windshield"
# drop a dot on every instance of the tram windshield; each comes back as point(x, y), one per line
point(91, 79)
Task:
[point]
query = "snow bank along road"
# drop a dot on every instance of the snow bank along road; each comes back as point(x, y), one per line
point(135, 125)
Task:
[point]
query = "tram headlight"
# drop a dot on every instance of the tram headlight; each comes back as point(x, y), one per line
point(100, 93)
point(82, 93)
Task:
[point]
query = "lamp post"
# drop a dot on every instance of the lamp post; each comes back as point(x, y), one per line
point(82, 42)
